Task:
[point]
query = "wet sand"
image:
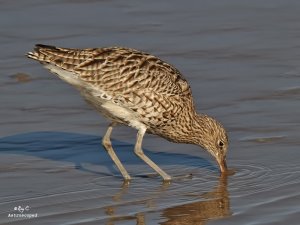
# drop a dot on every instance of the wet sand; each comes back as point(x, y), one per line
point(242, 61)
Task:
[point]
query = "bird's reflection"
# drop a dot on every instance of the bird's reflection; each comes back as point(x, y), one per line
point(211, 205)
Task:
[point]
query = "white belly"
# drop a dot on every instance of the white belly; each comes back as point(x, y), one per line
point(111, 110)
point(99, 99)
point(124, 115)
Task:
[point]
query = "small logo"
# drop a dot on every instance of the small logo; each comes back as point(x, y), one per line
point(22, 211)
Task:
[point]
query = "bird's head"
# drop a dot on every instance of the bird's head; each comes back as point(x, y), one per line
point(214, 139)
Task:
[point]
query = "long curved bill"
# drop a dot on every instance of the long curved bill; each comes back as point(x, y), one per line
point(223, 165)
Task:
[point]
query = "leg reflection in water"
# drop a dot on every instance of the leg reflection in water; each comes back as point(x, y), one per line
point(212, 205)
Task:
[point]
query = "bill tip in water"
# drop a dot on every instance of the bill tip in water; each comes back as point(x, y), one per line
point(224, 169)
point(228, 172)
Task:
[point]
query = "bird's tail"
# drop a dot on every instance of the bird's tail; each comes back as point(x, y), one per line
point(45, 53)
point(60, 61)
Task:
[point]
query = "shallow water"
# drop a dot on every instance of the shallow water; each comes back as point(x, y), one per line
point(242, 61)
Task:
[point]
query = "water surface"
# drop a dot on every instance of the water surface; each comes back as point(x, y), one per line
point(242, 61)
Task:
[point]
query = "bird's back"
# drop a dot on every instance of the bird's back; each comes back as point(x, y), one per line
point(152, 90)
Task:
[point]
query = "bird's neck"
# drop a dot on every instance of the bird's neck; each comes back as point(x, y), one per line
point(188, 128)
point(197, 129)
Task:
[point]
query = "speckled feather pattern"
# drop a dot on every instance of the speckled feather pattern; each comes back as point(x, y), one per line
point(152, 90)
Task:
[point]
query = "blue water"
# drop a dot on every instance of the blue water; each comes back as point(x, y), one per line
point(242, 62)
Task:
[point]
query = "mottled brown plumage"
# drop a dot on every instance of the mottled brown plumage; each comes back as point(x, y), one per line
point(139, 90)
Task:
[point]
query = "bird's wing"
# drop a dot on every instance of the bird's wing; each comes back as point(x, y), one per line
point(136, 80)
point(116, 69)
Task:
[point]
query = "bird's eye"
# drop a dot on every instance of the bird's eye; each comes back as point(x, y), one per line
point(221, 144)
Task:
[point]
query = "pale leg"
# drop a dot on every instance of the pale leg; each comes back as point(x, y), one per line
point(139, 152)
point(108, 146)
